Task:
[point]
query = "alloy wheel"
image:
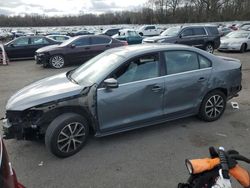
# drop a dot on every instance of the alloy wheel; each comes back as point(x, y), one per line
point(214, 106)
point(57, 61)
point(209, 48)
point(71, 137)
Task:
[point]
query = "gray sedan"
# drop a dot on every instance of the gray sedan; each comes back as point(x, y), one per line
point(236, 41)
point(122, 89)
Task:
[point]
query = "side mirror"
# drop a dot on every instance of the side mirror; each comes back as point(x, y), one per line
point(180, 36)
point(111, 83)
point(12, 45)
point(72, 46)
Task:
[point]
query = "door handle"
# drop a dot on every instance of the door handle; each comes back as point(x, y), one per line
point(156, 89)
point(108, 46)
point(87, 48)
point(201, 79)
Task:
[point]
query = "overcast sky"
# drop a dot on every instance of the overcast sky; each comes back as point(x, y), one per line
point(66, 7)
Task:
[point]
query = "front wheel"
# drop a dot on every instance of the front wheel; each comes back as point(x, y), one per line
point(212, 106)
point(57, 61)
point(209, 48)
point(243, 48)
point(67, 134)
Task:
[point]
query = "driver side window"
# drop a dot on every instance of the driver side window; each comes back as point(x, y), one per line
point(21, 42)
point(140, 68)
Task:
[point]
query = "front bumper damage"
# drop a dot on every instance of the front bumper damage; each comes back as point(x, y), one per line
point(21, 125)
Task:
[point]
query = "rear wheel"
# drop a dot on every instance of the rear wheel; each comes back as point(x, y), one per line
point(209, 48)
point(243, 48)
point(67, 134)
point(57, 61)
point(212, 106)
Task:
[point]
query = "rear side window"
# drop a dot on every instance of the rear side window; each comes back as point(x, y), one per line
point(149, 27)
point(100, 40)
point(181, 61)
point(199, 31)
point(82, 41)
point(38, 40)
point(204, 62)
point(213, 30)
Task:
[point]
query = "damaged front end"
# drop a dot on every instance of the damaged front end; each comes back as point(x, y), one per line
point(22, 124)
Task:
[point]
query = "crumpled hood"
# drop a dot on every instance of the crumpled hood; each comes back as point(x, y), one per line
point(43, 91)
point(48, 48)
point(232, 40)
point(156, 38)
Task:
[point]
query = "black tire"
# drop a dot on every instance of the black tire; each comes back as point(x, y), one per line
point(55, 138)
point(209, 48)
point(243, 48)
point(213, 106)
point(57, 61)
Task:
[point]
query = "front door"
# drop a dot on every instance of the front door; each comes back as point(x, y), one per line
point(79, 50)
point(19, 48)
point(186, 82)
point(138, 98)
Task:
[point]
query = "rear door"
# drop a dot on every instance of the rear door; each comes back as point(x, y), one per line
point(36, 43)
point(186, 82)
point(139, 97)
point(200, 37)
point(99, 44)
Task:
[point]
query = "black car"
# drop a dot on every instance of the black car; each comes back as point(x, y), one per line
point(111, 32)
point(203, 37)
point(75, 50)
point(25, 47)
point(79, 33)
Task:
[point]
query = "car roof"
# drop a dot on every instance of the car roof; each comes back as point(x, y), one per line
point(133, 50)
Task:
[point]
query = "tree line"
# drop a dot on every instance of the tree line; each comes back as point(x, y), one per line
point(153, 12)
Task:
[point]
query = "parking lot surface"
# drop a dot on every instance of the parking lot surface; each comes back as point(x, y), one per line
point(148, 157)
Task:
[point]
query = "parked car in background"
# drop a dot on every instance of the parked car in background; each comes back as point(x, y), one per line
point(8, 177)
point(245, 28)
point(111, 32)
point(240, 26)
point(149, 30)
point(129, 35)
point(79, 33)
point(224, 31)
point(123, 89)
point(25, 47)
point(59, 38)
point(75, 50)
point(203, 37)
point(236, 41)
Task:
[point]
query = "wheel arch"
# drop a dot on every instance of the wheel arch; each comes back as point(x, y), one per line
point(49, 116)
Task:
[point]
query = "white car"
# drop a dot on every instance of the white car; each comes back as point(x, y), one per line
point(149, 30)
point(236, 41)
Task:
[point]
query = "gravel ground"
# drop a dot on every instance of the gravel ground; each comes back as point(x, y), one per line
point(148, 157)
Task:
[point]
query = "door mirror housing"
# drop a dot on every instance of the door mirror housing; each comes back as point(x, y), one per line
point(111, 83)
point(12, 45)
point(72, 46)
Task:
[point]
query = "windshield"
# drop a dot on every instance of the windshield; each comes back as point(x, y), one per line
point(238, 35)
point(96, 68)
point(173, 31)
